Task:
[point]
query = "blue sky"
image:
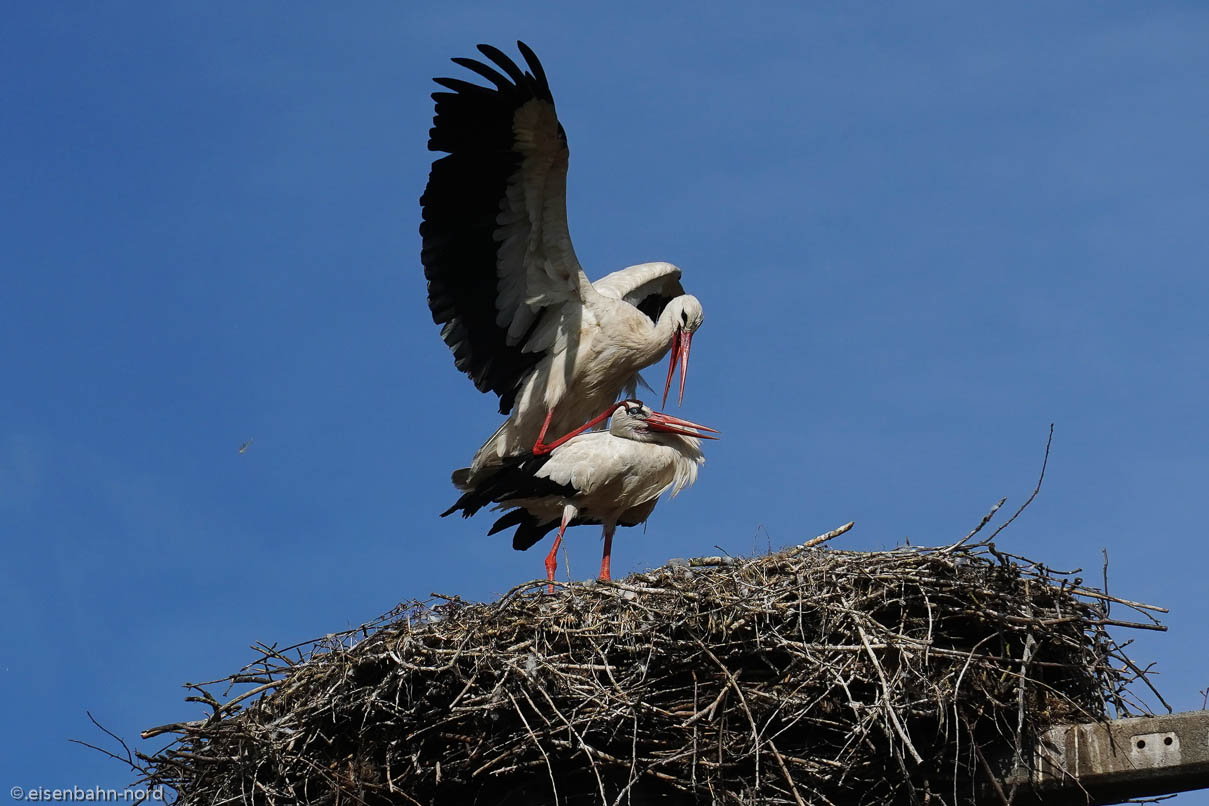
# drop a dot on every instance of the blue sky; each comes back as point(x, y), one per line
point(921, 233)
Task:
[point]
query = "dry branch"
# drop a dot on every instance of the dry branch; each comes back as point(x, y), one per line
point(809, 676)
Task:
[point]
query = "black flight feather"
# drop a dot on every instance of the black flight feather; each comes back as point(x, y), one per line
point(473, 124)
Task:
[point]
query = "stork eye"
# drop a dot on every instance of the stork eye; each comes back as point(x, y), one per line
point(684, 317)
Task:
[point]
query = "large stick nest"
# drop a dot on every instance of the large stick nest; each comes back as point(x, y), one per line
point(807, 676)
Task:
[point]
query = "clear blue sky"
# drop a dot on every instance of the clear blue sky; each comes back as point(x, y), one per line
point(921, 233)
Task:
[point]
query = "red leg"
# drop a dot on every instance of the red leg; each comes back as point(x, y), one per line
point(608, 551)
point(540, 447)
point(552, 557)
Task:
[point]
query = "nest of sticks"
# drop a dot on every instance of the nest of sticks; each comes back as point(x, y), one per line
point(811, 675)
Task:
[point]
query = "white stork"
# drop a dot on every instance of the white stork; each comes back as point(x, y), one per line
point(608, 477)
point(517, 310)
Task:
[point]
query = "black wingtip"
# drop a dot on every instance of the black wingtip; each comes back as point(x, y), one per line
point(496, 78)
point(503, 62)
point(510, 518)
point(535, 67)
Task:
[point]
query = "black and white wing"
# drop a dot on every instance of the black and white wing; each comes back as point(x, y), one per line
point(496, 250)
point(517, 477)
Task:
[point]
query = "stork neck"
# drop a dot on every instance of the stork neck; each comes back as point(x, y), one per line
point(665, 328)
point(629, 429)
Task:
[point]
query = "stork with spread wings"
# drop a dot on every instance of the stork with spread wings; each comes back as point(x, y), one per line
point(518, 312)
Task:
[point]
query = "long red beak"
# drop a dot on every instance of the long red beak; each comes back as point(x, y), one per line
point(674, 425)
point(681, 342)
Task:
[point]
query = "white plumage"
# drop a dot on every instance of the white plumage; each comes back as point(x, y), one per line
point(516, 307)
point(608, 477)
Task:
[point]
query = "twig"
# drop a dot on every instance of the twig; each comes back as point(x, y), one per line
point(172, 727)
point(537, 742)
point(825, 536)
point(881, 676)
point(1030, 644)
point(985, 520)
point(1135, 605)
point(793, 788)
point(734, 684)
point(1044, 462)
point(1133, 625)
point(128, 760)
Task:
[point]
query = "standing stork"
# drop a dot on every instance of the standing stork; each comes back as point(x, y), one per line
point(608, 477)
point(515, 306)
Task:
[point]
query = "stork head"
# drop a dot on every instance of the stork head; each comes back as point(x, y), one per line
point(687, 315)
point(632, 419)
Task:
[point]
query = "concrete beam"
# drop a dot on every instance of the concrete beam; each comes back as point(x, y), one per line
point(1100, 763)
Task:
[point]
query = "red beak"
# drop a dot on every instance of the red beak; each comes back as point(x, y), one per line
point(674, 425)
point(681, 342)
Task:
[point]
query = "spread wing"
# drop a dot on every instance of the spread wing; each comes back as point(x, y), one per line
point(503, 279)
